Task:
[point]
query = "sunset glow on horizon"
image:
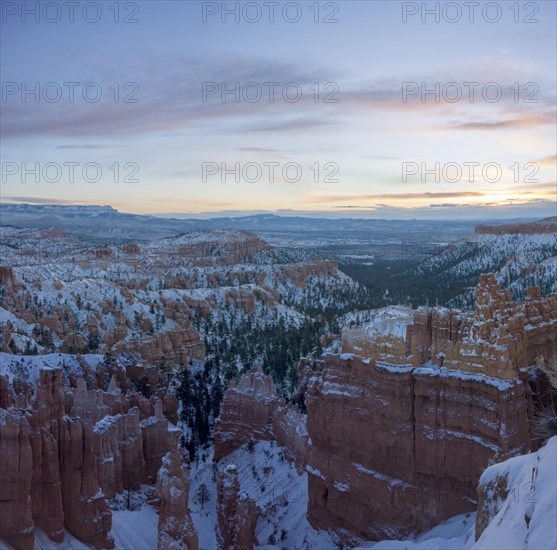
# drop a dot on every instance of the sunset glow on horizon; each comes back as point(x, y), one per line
point(367, 115)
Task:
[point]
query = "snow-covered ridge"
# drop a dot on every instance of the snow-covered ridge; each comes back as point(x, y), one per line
point(518, 502)
point(50, 209)
point(28, 367)
point(390, 321)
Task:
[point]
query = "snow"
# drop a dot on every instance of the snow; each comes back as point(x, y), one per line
point(341, 487)
point(431, 370)
point(28, 367)
point(457, 533)
point(532, 485)
point(331, 388)
point(314, 472)
point(393, 482)
point(390, 321)
point(104, 424)
point(131, 530)
point(281, 494)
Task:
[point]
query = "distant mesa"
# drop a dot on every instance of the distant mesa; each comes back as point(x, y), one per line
point(547, 225)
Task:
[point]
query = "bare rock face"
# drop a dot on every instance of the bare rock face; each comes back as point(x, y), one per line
point(299, 273)
point(242, 299)
point(397, 449)
point(247, 514)
point(6, 397)
point(118, 448)
point(155, 441)
point(16, 457)
point(236, 513)
point(247, 412)
point(547, 225)
point(252, 411)
point(228, 489)
point(174, 346)
point(86, 513)
point(6, 275)
point(64, 449)
point(496, 339)
point(176, 528)
point(45, 418)
point(289, 429)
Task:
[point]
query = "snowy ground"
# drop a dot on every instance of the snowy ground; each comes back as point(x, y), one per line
point(527, 517)
point(456, 533)
point(279, 491)
point(131, 530)
point(27, 367)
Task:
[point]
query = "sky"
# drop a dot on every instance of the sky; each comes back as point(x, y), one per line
point(365, 108)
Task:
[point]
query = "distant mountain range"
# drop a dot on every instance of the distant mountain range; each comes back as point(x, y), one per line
point(104, 222)
point(520, 255)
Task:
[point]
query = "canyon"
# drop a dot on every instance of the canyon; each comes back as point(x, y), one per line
point(402, 423)
point(382, 435)
point(77, 439)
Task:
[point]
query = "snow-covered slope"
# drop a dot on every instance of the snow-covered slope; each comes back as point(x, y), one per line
point(518, 501)
point(524, 256)
point(517, 510)
point(280, 492)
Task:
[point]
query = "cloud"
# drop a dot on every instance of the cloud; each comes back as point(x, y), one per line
point(380, 157)
point(547, 162)
point(42, 200)
point(170, 99)
point(85, 146)
point(293, 124)
point(396, 196)
point(257, 150)
point(524, 122)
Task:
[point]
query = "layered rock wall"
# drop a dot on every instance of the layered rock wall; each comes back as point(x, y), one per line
point(395, 450)
point(236, 513)
point(176, 530)
point(67, 448)
point(252, 410)
point(497, 339)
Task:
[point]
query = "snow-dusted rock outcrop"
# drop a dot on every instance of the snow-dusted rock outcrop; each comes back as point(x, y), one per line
point(497, 338)
point(66, 445)
point(237, 513)
point(252, 410)
point(176, 530)
point(517, 502)
point(396, 450)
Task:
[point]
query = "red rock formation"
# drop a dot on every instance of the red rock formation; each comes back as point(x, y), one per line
point(299, 273)
point(252, 411)
point(6, 398)
point(228, 489)
point(236, 513)
point(45, 418)
point(155, 442)
point(547, 225)
point(396, 450)
point(289, 430)
point(16, 459)
point(6, 275)
point(247, 412)
point(118, 449)
point(247, 514)
point(242, 299)
point(172, 347)
point(60, 468)
point(86, 513)
point(176, 529)
point(497, 339)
